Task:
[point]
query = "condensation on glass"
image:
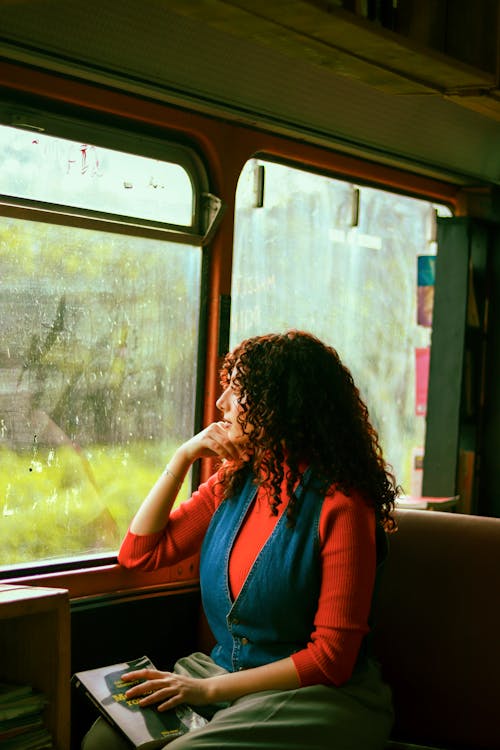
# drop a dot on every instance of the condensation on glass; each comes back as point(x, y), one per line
point(98, 346)
point(342, 261)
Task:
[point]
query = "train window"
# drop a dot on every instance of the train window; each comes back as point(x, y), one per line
point(99, 341)
point(40, 167)
point(341, 261)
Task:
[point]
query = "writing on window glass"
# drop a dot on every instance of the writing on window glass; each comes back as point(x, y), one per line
point(83, 175)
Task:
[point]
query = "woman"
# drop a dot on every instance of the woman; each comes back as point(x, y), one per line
point(291, 532)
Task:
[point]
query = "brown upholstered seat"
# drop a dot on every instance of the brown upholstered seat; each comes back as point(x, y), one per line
point(438, 629)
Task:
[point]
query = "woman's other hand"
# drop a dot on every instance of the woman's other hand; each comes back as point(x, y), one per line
point(167, 689)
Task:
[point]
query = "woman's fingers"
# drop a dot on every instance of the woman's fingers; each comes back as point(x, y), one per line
point(166, 688)
point(150, 679)
point(224, 445)
point(152, 691)
point(215, 441)
point(143, 674)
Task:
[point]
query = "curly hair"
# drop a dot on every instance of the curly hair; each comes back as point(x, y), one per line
point(300, 405)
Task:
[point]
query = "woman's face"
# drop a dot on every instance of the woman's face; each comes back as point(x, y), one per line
point(229, 404)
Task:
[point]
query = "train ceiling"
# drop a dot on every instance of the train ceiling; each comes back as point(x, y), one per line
point(302, 67)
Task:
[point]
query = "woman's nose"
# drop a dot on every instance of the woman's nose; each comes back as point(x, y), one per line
point(220, 401)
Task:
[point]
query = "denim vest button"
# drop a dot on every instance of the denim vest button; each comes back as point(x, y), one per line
point(244, 641)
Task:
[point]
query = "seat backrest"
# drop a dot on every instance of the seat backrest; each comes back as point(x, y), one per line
point(437, 632)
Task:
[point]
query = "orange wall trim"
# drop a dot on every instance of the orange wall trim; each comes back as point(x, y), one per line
point(115, 580)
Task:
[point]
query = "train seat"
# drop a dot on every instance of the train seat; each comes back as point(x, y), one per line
point(438, 628)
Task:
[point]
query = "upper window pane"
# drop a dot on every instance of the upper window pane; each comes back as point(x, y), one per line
point(342, 262)
point(55, 170)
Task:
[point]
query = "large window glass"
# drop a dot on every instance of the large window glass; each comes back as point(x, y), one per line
point(98, 352)
point(354, 266)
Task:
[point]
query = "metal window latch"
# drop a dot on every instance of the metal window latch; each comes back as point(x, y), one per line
point(212, 210)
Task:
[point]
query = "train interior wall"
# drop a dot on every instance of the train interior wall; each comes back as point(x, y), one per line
point(264, 73)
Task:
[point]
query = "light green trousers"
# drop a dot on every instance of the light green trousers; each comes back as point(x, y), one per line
point(356, 716)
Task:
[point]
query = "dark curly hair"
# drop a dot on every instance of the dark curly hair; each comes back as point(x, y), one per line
point(301, 406)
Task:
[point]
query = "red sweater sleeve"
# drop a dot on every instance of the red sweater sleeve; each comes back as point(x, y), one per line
point(347, 536)
point(182, 536)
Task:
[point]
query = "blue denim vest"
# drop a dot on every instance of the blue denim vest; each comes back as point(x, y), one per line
point(273, 615)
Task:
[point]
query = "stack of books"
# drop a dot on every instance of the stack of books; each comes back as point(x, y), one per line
point(21, 722)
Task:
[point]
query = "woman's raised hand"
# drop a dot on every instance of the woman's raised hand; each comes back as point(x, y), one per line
point(215, 441)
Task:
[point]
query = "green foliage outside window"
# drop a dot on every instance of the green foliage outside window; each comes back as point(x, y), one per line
point(97, 379)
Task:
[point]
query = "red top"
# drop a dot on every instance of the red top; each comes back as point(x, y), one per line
point(348, 555)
